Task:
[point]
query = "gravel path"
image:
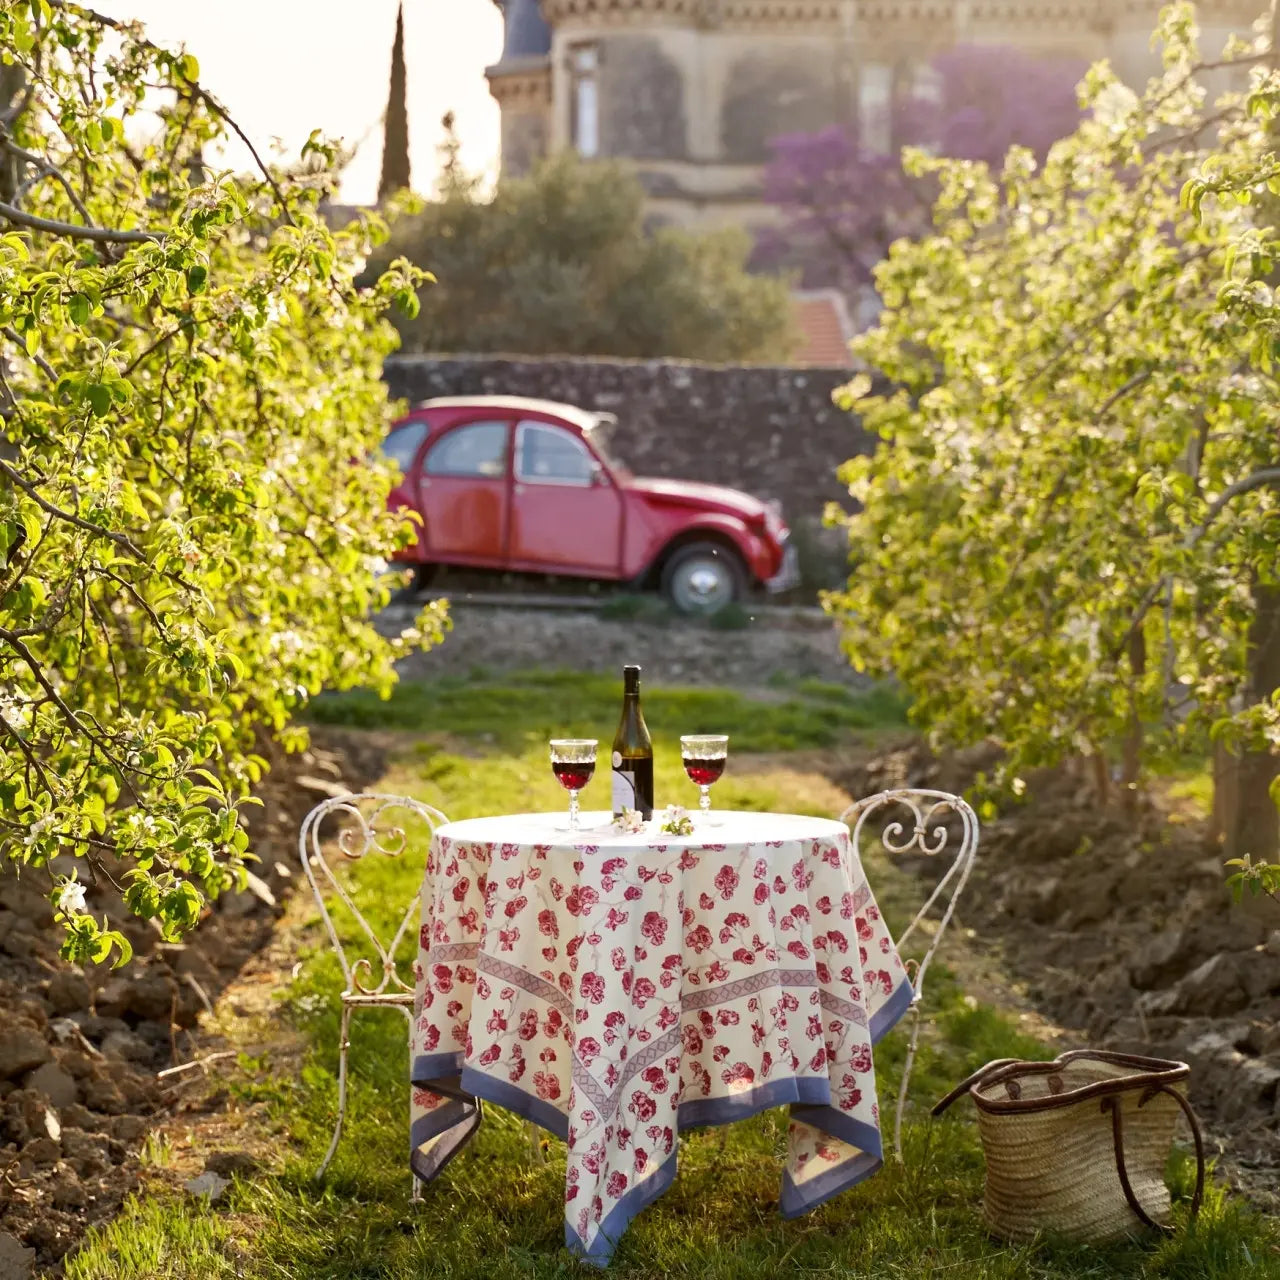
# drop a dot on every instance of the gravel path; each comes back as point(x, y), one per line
point(776, 646)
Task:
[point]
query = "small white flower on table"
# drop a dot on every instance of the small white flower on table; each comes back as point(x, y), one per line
point(676, 821)
point(630, 822)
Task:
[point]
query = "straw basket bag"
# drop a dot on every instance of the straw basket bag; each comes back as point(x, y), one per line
point(1077, 1147)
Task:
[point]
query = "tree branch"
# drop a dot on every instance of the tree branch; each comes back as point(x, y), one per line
point(33, 761)
point(46, 167)
point(166, 337)
point(41, 363)
point(54, 227)
point(120, 539)
point(1268, 475)
point(196, 89)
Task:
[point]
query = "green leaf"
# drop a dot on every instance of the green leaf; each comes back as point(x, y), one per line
point(123, 947)
point(201, 554)
point(99, 397)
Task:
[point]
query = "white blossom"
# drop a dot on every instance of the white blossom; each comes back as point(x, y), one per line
point(71, 897)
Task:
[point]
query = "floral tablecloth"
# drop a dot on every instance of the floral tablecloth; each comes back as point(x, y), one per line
point(618, 988)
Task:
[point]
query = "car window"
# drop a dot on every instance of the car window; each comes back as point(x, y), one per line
point(550, 455)
point(478, 449)
point(401, 446)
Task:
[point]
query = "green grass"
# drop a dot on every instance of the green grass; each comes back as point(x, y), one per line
point(732, 617)
point(495, 1212)
point(1193, 782)
point(508, 712)
point(636, 607)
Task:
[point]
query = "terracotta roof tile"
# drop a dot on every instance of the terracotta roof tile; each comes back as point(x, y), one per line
point(822, 321)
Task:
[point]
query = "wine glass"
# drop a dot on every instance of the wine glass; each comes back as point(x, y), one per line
point(573, 761)
point(704, 756)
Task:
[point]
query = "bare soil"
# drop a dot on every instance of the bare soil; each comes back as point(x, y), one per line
point(1119, 928)
point(86, 1057)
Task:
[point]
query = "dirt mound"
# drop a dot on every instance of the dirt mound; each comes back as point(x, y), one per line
point(1121, 928)
point(81, 1056)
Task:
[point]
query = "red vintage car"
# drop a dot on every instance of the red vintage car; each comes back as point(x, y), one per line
point(528, 486)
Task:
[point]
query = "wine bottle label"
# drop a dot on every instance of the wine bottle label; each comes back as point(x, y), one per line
point(624, 790)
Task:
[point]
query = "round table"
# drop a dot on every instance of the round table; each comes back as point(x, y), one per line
point(617, 988)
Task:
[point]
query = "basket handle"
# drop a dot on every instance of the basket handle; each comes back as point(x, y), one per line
point(965, 1085)
point(1112, 1103)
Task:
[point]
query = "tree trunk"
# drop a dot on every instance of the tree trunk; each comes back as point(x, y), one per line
point(1226, 794)
point(1101, 778)
point(1247, 815)
point(1131, 765)
point(1254, 827)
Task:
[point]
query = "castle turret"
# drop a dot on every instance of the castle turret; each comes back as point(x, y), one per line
point(521, 83)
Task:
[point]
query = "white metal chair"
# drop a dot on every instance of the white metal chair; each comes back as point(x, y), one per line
point(927, 832)
point(366, 828)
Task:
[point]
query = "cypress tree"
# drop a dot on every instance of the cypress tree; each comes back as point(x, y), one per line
point(395, 141)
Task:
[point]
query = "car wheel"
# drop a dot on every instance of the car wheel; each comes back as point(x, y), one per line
point(703, 577)
point(423, 574)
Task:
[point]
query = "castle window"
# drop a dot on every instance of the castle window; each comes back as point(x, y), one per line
point(925, 120)
point(875, 107)
point(584, 100)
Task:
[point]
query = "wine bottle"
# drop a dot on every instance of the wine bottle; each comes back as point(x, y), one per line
point(632, 753)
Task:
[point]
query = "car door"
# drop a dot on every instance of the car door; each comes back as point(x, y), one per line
point(566, 511)
point(463, 484)
point(401, 447)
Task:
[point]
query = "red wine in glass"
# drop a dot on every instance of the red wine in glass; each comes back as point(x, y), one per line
point(704, 755)
point(573, 761)
point(573, 775)
point(704, 772)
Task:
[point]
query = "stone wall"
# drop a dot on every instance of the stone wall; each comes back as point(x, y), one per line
point(769, 431)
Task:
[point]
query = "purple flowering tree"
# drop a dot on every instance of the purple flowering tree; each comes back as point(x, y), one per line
point(844, 202)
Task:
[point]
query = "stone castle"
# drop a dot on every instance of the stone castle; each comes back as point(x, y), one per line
point(689, 92)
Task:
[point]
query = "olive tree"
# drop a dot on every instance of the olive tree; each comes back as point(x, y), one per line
point(1068, 535)
point(561, 262)
point(192, 534)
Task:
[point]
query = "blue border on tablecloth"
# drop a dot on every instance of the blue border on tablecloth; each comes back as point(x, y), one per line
point(700, 1113)
point(619, 1219)
point(794, 1201)
point(889, 1014)
point(441, 1120)
point(808, 1096)
point(439, 1072)
point(551, 1118)
point(435, 1066)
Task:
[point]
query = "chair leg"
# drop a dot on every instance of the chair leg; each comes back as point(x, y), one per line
point(906, 1078)
point(534, 1137)
point(415, 1193)
point(343, 1045)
